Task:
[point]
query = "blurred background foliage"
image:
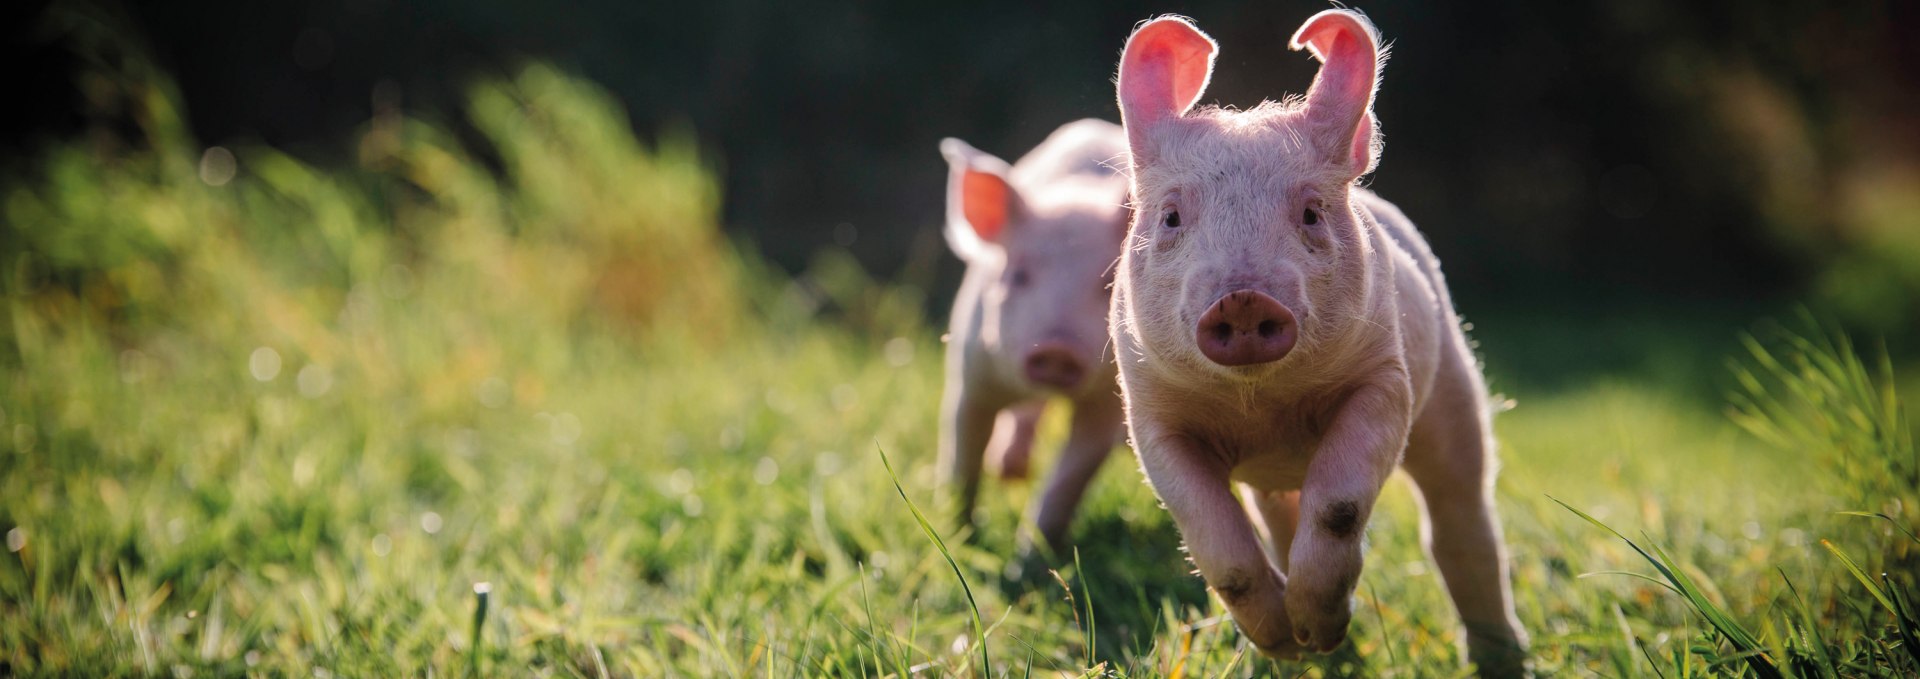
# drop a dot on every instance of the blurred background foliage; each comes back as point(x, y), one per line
point(1586, 155)
point(267, 413)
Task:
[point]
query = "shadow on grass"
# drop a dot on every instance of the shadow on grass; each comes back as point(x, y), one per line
point(1133, 574)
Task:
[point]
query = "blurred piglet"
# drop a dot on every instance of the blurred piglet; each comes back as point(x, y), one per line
point(1030, 323)
point(1281, 330)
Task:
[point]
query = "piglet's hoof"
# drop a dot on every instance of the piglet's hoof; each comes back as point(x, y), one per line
point(1285, 649)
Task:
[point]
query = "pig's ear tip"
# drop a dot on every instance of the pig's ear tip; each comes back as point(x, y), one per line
point(954, 149)
point(1184, 27)
point(1317, 27)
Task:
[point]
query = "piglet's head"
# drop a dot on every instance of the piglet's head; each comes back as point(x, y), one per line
point(1245, 252)
point(1044, 258)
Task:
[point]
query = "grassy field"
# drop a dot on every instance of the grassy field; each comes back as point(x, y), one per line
point(434, 415)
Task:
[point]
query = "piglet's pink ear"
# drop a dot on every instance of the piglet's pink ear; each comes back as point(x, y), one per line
point(980, 201)
point(1340, 105)
point(1162, 72)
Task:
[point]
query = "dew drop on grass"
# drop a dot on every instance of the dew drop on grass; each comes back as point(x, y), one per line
point(680, 481)
point(766, 472)
point(566, 428)
point(382, 545)
point(1714, 543)
point(777, 401)
point(827, 463)
point(314, 381)
point(464, 442)
point(431, 522)
point(898, 351)
point(264, 363)
point(692, 505)
point(493, 392)
point(217, 166)
point(359, 308)
point(304, 469)
point(16, 539)
point(844, 396)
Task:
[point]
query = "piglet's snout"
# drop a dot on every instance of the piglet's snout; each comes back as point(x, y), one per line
point(1246, 327)
point(1054, 365)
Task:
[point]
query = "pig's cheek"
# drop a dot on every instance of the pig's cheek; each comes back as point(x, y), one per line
point(1319, 242)
point(992, 316)
point(1165, 242)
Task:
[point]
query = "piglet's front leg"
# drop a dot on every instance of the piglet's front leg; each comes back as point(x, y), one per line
point(1362, 446)
point(1193, 482)
point(965, 427)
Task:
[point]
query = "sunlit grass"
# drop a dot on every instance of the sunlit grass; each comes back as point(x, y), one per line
point(288, 421)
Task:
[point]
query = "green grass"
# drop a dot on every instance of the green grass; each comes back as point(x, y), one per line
point(418, 417)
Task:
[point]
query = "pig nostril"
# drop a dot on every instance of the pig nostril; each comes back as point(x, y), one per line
point(1245, 327)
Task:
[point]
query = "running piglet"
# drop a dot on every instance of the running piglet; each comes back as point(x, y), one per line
point(1039, 239)
point(1285, 340)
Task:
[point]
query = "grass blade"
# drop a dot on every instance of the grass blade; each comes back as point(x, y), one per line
point(1747, 647)
point(1811, 627)
point(1896, 524)
point(481, 592)
point(1861, 575)
point(1904, 621)
point(973, 606)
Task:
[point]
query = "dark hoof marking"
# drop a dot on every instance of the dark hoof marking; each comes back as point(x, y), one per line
point(1233, 588)
point(1341, 519)
point(1232, 592)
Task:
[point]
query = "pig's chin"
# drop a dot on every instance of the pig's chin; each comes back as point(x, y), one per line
point(1243, 374)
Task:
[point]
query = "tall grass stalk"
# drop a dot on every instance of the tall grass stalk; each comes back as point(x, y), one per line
point(1812, 392)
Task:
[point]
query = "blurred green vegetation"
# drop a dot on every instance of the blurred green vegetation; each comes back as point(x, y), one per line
point(262, 416)
point(1588, 157)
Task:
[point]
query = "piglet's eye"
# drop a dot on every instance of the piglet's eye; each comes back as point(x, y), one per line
point(1311, 217)
point(1173, 219)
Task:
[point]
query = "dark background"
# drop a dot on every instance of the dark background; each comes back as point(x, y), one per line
point(1583, 153)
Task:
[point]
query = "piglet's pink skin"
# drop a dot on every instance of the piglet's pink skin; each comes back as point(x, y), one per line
point(1285, 340)
point(1030, 324)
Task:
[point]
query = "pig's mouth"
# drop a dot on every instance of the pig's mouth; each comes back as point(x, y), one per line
point(1053, 365)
